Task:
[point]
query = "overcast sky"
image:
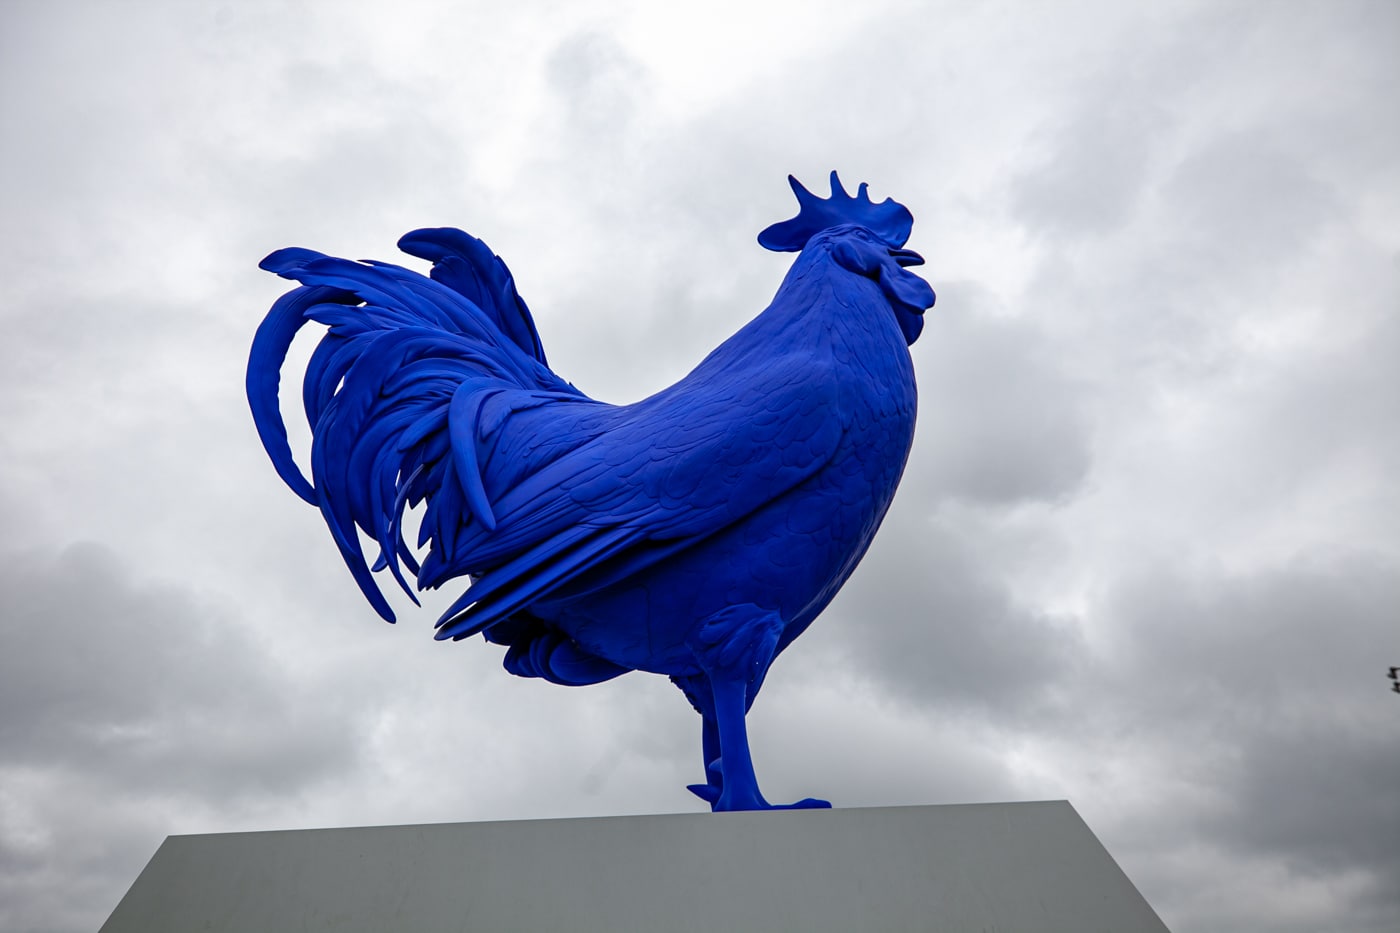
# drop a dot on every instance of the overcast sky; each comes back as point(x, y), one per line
point(1146, 556)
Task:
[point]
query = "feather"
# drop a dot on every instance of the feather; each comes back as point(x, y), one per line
point(270, 345)
point(461, 426)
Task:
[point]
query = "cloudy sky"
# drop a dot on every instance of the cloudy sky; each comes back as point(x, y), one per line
point(1146, 556)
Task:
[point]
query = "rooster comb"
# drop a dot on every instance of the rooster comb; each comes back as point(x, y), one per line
point(889, 220)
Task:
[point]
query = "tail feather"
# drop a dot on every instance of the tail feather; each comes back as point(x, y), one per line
point(393, 532)
point(324, 370)
point(467, 266)
point(462, 413)
point(282, 261)
point(391, 543)
point(334, 510)
point(270, 345)
point(394, 392)
point(530, 576)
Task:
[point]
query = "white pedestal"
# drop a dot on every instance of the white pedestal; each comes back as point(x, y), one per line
point(1013, 868)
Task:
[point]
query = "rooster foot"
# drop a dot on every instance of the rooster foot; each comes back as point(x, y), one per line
point(744, 798)
point(755, 801)
point(733, 649)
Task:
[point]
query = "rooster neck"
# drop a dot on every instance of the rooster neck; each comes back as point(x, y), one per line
point(822, 311)
point(819, 294)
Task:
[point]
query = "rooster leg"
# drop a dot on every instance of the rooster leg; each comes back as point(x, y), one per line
point(734, 648)
point(697, 690)
point(739, 784)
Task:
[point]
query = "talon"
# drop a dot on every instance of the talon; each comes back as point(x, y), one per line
point(807, 803)
point(706, 792)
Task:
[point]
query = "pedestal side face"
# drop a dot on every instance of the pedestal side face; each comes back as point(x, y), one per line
point(1032, 867)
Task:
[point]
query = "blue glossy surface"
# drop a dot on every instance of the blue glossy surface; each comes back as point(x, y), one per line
point(693, 534)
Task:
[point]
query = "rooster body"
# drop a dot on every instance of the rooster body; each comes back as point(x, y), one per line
point(692, 534)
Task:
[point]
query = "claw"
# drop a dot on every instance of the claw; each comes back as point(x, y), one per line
point(706, 792)
point(806, 803)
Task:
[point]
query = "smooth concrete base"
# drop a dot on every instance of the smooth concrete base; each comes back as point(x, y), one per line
point(1027, 867)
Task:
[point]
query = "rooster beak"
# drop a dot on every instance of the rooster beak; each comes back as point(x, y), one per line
point(907, 257)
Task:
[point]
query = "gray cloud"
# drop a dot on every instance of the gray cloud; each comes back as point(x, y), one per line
point(138, 701)
point(1095, 167)
point(926, 621)
point(1266, 698)
point(1001, 422)
point(1244, 203)
point(598, 84)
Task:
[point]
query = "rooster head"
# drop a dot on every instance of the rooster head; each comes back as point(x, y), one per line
point(863, 237)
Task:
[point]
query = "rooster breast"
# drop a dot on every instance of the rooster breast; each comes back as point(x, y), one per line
point(838, 404)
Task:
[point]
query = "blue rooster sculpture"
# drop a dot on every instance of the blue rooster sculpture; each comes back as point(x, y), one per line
point(694, 534)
